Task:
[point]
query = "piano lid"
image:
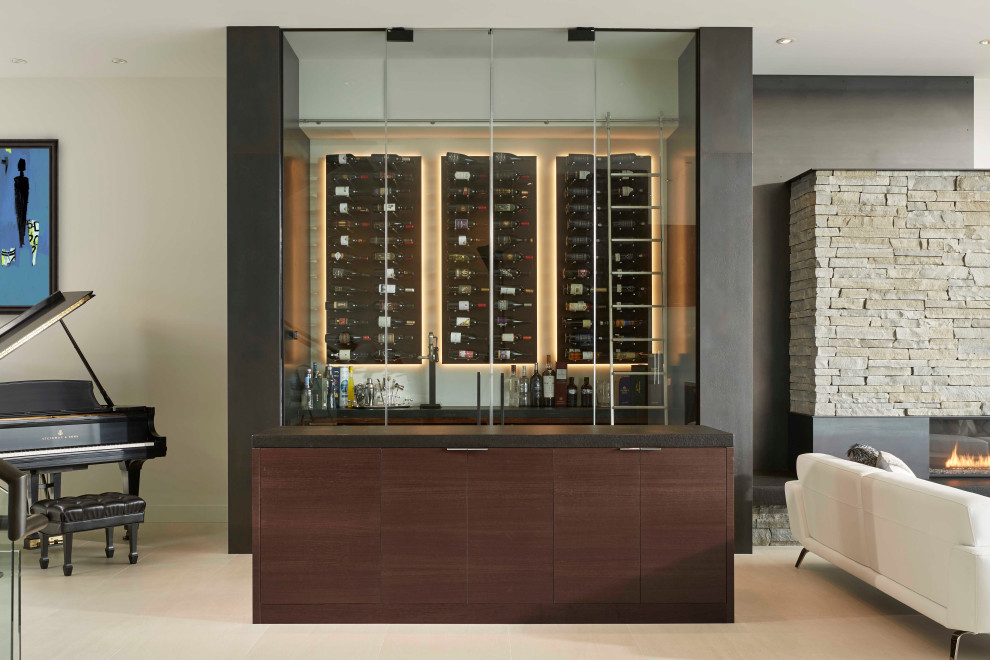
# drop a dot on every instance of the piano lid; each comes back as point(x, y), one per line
point(36, 320)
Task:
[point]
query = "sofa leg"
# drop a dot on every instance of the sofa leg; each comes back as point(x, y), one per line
point(109, 548)
point(954, 642)
point(804, 551)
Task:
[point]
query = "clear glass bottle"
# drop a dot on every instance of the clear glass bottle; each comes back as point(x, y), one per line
point(512, 393)
point(306, 399)
point(524, 389)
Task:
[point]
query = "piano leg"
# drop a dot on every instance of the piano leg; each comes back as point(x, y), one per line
point(130, 471)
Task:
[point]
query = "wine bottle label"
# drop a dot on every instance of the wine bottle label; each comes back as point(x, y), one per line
point(587, 355)
point(345, 240)
point(389, 273)
point(462, 176)
point(464, 288)
point(462, 322)
point(390, 207)
point(461, 223)
point(344, 355)
point(339, 304)
point(462, 240)
point(576, 306)
point(386, 288)
point(507, 291)
point(503, 354)
point(384, 321)
point(342, 191)
point(337, 256)
point(343, 207)
point(625, 191)
point(467, 355)
point(455, 338)
point(341, 159)
point(586, 323)
point(575, 289)
point(583, 174)
point(505, 207)
point(463, 305)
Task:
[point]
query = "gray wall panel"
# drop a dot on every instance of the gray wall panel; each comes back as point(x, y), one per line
point(805, 122)
point(725, 246)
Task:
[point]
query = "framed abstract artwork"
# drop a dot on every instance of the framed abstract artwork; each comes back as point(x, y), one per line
point(28, 222)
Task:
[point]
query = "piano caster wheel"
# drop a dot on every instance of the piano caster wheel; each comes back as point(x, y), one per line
point(44, 562)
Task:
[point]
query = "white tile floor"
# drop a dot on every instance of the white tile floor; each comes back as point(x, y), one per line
point(186, 598)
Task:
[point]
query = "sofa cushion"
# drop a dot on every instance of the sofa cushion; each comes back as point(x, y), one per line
point(891, 463)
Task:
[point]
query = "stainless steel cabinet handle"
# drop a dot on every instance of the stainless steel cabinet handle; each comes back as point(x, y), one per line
point(629, 449)
point(467, 448)
point(640, 448)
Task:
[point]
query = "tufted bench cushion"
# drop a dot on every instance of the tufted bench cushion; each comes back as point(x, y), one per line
point(84, 512)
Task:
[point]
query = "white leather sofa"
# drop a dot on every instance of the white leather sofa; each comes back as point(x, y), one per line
point(925, 544)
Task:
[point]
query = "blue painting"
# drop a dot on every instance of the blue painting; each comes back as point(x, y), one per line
point(27, 222)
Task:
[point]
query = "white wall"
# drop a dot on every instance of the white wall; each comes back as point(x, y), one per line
point(981, 123)
point(142, 223)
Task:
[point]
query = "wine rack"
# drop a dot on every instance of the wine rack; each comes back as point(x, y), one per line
point(465, 254)
point(359, 265)
point(579, 190)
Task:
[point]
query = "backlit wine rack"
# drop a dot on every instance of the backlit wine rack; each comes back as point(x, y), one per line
point(361, 267)
point(583, 336)
point(465, 254)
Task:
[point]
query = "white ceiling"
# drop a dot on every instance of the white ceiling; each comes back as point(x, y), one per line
point(185, 37)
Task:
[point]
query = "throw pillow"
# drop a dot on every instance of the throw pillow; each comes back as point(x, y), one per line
point(891, 463)
point(864, 454)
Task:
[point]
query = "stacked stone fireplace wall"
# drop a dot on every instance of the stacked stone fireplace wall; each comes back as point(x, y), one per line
point(890, 293)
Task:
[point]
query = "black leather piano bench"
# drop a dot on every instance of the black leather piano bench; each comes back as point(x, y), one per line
point(68, 515)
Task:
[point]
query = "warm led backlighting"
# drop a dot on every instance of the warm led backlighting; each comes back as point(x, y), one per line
point(783, 41)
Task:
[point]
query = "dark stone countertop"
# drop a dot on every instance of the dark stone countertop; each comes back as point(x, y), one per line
point(472, 437)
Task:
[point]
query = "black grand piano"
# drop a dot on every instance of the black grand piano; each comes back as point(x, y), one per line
point(52, 426)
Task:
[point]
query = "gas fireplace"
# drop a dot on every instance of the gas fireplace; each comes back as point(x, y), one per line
point(959, 447)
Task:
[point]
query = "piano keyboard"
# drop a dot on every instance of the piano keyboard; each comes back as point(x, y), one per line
point(6, 455)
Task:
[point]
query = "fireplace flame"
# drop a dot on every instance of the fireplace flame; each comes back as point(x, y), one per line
point(967, 460)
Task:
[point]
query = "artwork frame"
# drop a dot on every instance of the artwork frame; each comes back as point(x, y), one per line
point(21, 201)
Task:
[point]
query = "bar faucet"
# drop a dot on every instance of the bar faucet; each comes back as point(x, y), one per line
point(432, 356)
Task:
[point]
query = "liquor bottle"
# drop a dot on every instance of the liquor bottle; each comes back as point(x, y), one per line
point(460, 337)
point(577, 306)
point(510, 224)
point(577, 257)
point(346, 274)
point(381, 306)
point(587, 394)
point(465, 305)
point(392, 240)
point(391, 288)
point(462, 273)
point(502, 158)
point(504, 305)
point(578, 289)
point(464, 289)
point(392, 256)
point(306, 398)
point(462, 240)
point(345, 257)
point(511, 257)
point(548, 377)
point(508, 208)
point(536, 388)
point(506, 354)
point(392, 338)
point(504, 241)
point(512, 389)
point(572, 393)
point(390, 321)
point(502, 321)
point(507, 273)
point(460, 159)
point(465, 322)
point(468, 355)
point(467, 208)
point(577, 273)
point(331, 388)
point(511, 291)
point(394, 160)
point(509, 338)
point(462, 224)
point(631, 355)
point(351, 400)
point(629, 288)
point(347, 355)
point(466, 175)
point(523, 389)
point(560, 384)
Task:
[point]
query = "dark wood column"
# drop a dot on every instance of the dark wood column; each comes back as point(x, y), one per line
point(725, 249)
point(254, 314)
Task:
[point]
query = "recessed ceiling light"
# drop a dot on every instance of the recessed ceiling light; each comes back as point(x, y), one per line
point(783, 41)
point(985, 42)
point(118, 60)
point(18, 60)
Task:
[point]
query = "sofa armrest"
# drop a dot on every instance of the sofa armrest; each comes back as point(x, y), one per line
point(969, 589)
point(795, 510)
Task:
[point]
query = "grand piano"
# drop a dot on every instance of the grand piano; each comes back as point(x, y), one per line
point(52, 426)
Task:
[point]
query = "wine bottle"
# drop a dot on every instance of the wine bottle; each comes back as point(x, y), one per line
point(513, 177)
point(349, 339)
point(392, 241)
point(578, 355)
point(511, 291)
point(583, 323)
point(631, 355)
point(572, 393)
point(578, 223)
point(461, 239)
point(579, 175)
point(512, 389)
point(466, 175)
point(342, 159)
point(582, 338)
point(504, 321)
point(577, 306)
point(345, 257)
point(536, 388)
point(511, 257)
point(393, 227)
point(503, 305)
point(578, 191)
point(629, 323)
point(577, 273)
point(460, 258)
point(465, 322)
point(462, 224)
point(505, 241)
point(467, 208)
point(502, 158)
point(392, 355)
point(394, 160)
point(577, 240)
point(459, 337)
point(468, 355)
point(577, 257)
point(338, 305)
point(627, 224)
point(510, 337)
point(465, 305)
point(392, 337)
point(510, 224)
point(630, 288)
point(354, 191)
point(398, 273)
point(390, 321)
point(623, 191)
point(628, 256)
point(509, 191)
point(464, 289)
point(368, 178)
point(346, 320)
point(508, 208)
point(624, 160)
point(391, 306)
point(347, 355)
point(578, 289)
point(461, 159)
point(507, 273)
point(506, 354)
point(523, 389)
point(392, 288)
point(466, 191)
point(548, 378)
point(392, 256)
point(346, 274)
point(344, 291)
point(462, 273)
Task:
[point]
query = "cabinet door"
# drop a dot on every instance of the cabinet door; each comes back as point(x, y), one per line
point(684, 525)
point(596, 526)
point(510, 526)
point(424, 526)
point(319, 519)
